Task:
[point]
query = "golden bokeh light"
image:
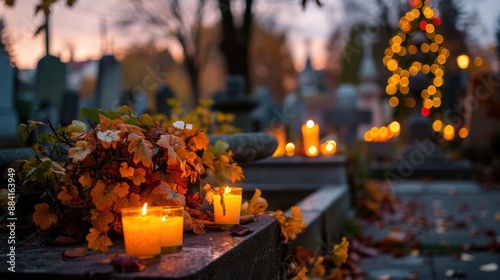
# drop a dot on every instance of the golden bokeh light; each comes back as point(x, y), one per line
point(448, 132)
point(463, 132)
point(436, 102)
point(394, 127)
point(428, 103)
point(437, 125)
point(478, 62)
point(463, 61)
point(393, 101)
point(392, 65)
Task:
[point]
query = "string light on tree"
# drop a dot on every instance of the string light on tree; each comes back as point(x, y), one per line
point(416, 48)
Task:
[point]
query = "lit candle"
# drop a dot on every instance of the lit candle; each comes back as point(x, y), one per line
point(280, 133)
point(232, 202)
point(172, 227)
point(290, 149)
point(328, 148)
point(310, 138)
point(141, 230)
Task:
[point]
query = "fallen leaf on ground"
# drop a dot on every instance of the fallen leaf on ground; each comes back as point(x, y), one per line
point(489, 267)
point(75, 252)
point(466, 257)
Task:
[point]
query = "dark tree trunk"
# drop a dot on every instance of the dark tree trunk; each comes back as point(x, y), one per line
point(235, 45)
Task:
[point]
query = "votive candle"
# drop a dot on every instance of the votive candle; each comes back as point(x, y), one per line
point(232, 201)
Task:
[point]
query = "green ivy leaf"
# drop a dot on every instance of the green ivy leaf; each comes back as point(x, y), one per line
point(220, 147)
point(25, 131)
point(147, 120)
point(76, 126)
point(125, 110)
point(92, 114)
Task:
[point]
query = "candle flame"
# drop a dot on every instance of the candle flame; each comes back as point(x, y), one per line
point(330, 145)
point(144, 208)
point(228, 190)
point(312, 150)
point(310, 124)
point(163, 219)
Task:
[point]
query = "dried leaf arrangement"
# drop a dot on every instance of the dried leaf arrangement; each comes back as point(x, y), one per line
point(81, 176)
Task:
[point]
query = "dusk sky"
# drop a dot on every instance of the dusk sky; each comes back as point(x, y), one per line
point(79, 26)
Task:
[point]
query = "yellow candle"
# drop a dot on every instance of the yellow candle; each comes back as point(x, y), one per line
point(141, 230)
point(310, 138)
point(329, 147)
point(280, 133)
point(290, 149)
point(172, 227)
point(232, 202)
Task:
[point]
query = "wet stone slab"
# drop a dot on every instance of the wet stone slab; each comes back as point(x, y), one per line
point(215, 255)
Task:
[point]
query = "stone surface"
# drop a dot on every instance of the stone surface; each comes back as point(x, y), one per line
point(8, 115)
point(235, 100)
point(248, 147)
point(451, 202)
point(215, 255)
point(50, 85)
point(108, 83)
point(326, 211)
point(289, 173)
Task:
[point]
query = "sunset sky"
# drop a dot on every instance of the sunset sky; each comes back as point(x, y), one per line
point(79, 26)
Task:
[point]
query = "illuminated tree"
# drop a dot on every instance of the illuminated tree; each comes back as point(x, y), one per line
point(416, 48)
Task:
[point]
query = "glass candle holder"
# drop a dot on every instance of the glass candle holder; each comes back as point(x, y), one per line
point(232, 202)
point(141, 231)
point(172, 229)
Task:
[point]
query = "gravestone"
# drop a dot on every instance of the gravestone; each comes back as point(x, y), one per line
point(234, 100)
point(137, 100)
point(263, 113)
point(163, 93)
point(346, 116)
point(369, 92)
point(8, 115)
point(50, 86)
point(421, 156)
point(108, 83)
point(70, 110)
point(295, 115)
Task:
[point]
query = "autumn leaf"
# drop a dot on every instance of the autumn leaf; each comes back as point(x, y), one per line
point(169, 142)
point(209, 194)
point(126, 171)
point(98, 240)
point(208, 160)
point(103, 219)
point(340, 252)
point(85, 180)
point(199, 141)
point(134, 200)
point(141, 149)
point(102, 196)
point(107, 124)
point(79, 152)
point(139, 176)
point(121, 189)
point(67, 194)
point(134, 129)
point(256, 205)
point(234, 172)
point(293, 225)
point(42, 216)
point(109, 138)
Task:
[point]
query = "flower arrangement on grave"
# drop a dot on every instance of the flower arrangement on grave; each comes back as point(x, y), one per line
point(81, 176)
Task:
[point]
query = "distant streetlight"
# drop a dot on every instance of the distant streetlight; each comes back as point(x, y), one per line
point(463, 61)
